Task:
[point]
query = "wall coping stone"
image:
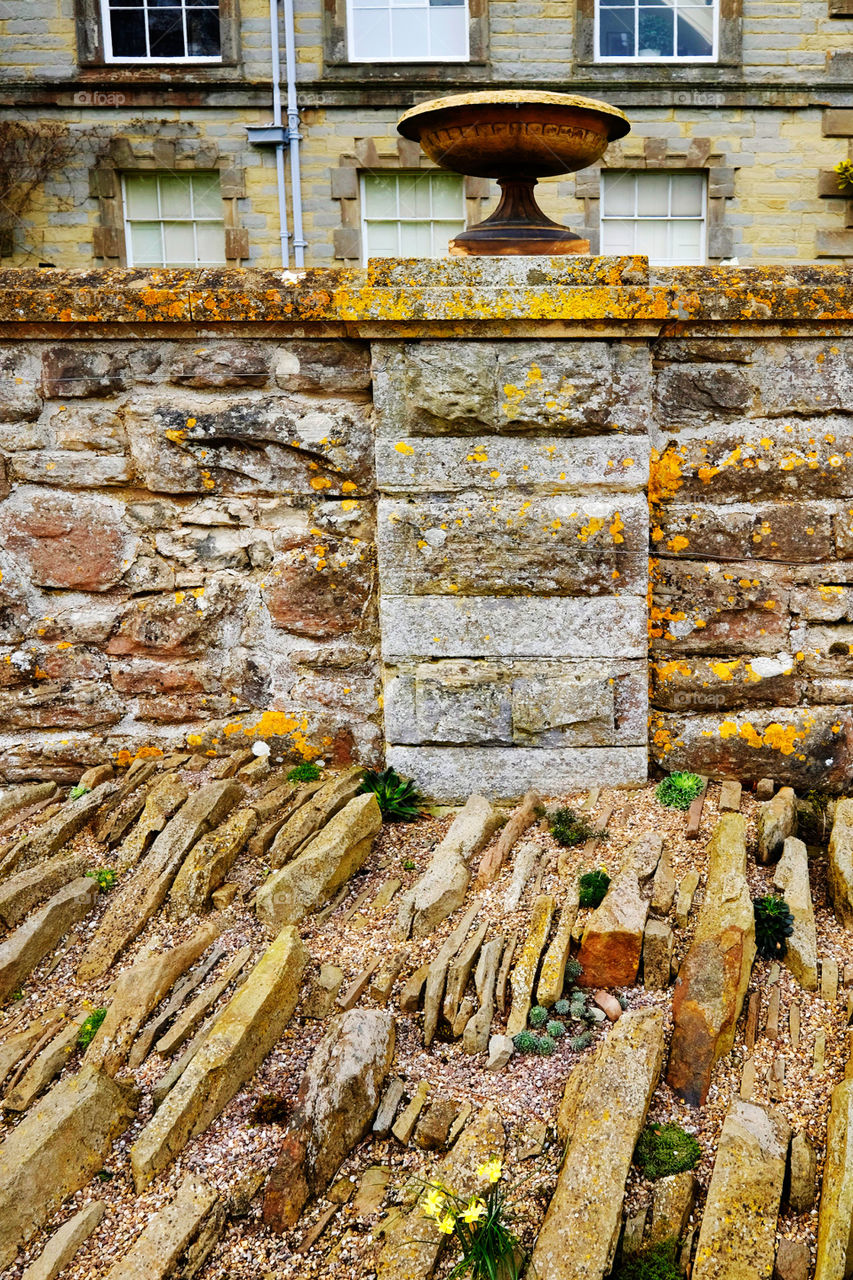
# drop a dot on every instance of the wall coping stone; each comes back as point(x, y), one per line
point(503, 297)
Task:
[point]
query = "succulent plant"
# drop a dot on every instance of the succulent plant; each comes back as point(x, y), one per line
point(593, 886)
point(569, 828)
point(578, 1006)
point(581, 1042)
point(563, 1008)
point(537, 1016)
point(546, 1046)
point(555, 1028)
point(574, 969)
point(526, 1042)
point(774, 925)
point(679, 790)
point(306, 772)
point(398, 797)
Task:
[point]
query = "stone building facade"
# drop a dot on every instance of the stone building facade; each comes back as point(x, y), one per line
point(759, 123)
point(469, 516)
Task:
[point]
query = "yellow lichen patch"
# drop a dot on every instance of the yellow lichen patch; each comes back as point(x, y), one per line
point(725, 670)
point(348, 487)
point(207, 480)
point(593, 526)
point(664, 475)
point(403, 447)
point(678, 543)
point(348, 504)
point(828, 591)
point(321, 482)
point(176, 434)
point(479, 455)
point(63, 644)
point(617, 524)
point(279, 724)
point(706, 474)
point(667, 670)
point(657, 533)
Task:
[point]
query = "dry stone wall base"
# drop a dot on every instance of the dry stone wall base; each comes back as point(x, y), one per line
point(314, 805)
point(56, 1149)
point(208, 863)
point(239, 1040)
point(21, 892)
point(737, 1240)
point(577, 1240)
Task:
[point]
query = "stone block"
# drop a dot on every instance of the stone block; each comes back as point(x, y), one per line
point(685, 393)
point(527, 964)
point(441, 889)
point(490, 545)
point(76, 371)
point(802, 1189)
point(840, 873)
point(791, 878)
point(64, 1243)
point(75, 543)
point(334, 367)
point(321, 594)
point(494, 626)
point(798, 534)
point(658, 943)
point(178, 1239)
point(777, 820)
point(344, 183)
point(837, 122)
point(19, 389)
point(450, 774)
point(720, 609)
point(762, 462)
point(612, 943)
point(221, 364)
point(22, 950)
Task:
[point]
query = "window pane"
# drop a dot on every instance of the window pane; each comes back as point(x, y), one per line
point(211, 241)
point(414, 195)
point(653, 239)
point(448, 33)
point(380, 196)
point(203, 33)
point(616, 33)
point(687, 189)
point(695, 33)
point(174, 196)
point(687, 242)
point(653, 194)
point(141, 194)
point(417, 240)
point(447, 196)
point(207, 199)
point(166, 33)
point(617, 237)
point(409, 33)
point(146, 249)
point(180, 244)
point(381, 240)
point(656, 33)
point(371, 35)
point(128, 34)
point(619, 191)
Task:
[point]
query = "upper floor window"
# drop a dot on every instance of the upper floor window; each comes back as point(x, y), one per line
point(656, 30)
point(410, 215)
point(161, 31)
point(654, 212)
point(173, 219)
point(408, 30)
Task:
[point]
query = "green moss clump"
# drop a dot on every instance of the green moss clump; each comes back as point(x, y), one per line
point(87, 1032)
point(307, 772)
point(538, 1016)
point(663, 1149)
point(657, 1263)
point(569, 829)
point(593, 886)
point(679, 790)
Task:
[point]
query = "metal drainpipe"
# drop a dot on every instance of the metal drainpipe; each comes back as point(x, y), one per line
point(299, 242)
point(275, 40)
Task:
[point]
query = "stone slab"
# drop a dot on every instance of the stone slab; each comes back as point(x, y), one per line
point(177, 1240)
point(64, 1243)
point(22, 950)
point(791, 878)
point(450, 774)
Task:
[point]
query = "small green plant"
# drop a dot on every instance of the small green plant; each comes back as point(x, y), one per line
point(578, 1006)
point(656, 1263)
point(583, 1041)
point(18, 994)
point(593, 886)
point(547, 1045)
point(563, 1008)
point(569, 828)
point(679, 790)
point(663, 1149)
point(844, 169)
point(87, 1032)
point(526, 1042)
point(105, 877)
point(398, 797)
point(574, 969)
point(105, 1175)
point(76, 792)
point(480, 1226)
point(305, 772)
point(774, 925)
point(408, 865)
point(555, 1028)
point(537, 1016)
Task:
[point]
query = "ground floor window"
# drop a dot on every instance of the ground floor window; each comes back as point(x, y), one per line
point(410, 215)
point(173, 219)
point(660, 214)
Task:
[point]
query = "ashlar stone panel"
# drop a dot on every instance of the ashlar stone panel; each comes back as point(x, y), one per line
point(504, 772)
point(478, 544)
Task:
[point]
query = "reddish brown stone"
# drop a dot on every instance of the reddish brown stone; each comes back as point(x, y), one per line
point(143, 676)
point(76, 371)
point(178, 623)
point(75, 543)
point(49, 705)
point(312, 595)
point(177, 708)
point(698, 683)
point(728, 608)
point(793, 532)
point(613, 939)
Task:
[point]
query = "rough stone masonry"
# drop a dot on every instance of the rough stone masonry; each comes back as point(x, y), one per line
point(461, 515)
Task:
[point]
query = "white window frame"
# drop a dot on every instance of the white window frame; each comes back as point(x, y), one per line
point(110, 57)
point(128, 222)
point(648, 217)
point(427, 57)
point(401, 221)
point(713, 56)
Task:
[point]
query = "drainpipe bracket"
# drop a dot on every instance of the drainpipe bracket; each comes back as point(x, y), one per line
point(268, 135)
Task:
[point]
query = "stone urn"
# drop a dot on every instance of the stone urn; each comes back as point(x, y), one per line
point(516, 136)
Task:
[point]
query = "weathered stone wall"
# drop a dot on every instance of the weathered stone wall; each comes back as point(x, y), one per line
point(414, 507)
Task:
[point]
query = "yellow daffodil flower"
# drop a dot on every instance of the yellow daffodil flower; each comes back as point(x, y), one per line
point(491, 1170)
point(447, 1224)
point(475, 1211)
point(433, 1205)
